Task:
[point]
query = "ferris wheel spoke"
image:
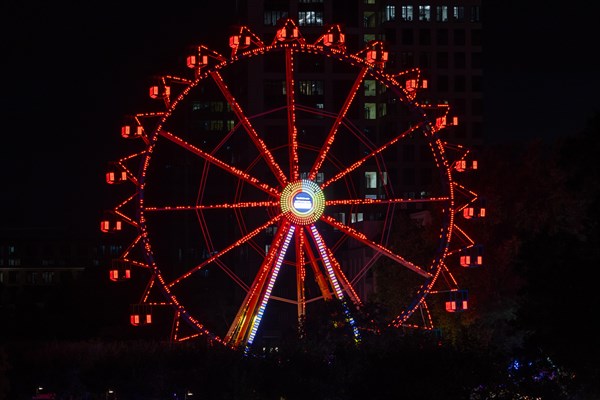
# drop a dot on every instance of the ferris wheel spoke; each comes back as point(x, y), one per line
point(291, 110)
point(333, 272)
point(362, 202)
point(259, 143)
point(300, 281)
point(221, 164)
point(374, 153)
point(246, 204)
point(331, 136)
point(377, 247)
point(219, 254)
point(250, 314)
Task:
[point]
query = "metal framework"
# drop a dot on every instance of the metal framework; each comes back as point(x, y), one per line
point(245, 213)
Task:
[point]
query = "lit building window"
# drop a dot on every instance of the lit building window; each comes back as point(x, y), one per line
point(381, 110)
point(424, 13)
point(441, 14)
point(310, 88)
point(310, 18)
point(406, 13)
point(356, 217)
point(369, 37)
point(389, 14)
point(370, 87)
point(271, 17)
point(370, 110)
point(370, 180)
point(458, 13)
point(216, 125)
point(216, 106)
point(369, 19)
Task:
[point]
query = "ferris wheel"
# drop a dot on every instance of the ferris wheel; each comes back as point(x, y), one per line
point(277, 181)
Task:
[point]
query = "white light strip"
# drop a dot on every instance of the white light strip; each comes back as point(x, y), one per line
point(325, 258)
point(267, 294)
point(333, 278)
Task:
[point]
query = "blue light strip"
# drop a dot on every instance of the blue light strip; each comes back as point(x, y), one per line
point(267, 294)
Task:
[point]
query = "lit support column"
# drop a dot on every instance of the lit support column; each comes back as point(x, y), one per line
point(267, 294)
point(247, 312)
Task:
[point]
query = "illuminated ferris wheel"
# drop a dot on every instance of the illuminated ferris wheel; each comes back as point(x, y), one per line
point(260, 203)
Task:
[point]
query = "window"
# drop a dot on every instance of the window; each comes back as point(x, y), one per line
point(369, 19)
point(442, 37)
point(216, 125)
point(406, 13)
point(216, 106)
point(475, 13)
point(425, 37)
point(384, 180)
point(310, 18)
point(320, 178)
point(371, 180)
point(310, 88)
point(407, 36)
point(274, 88)
point(356, 217)
point(442, 59)
point(370, 110)
point(425, 60)
point(406, 59)
point(458, 13)
point(424, 13)
point(271, 17)
point(197, 106)
point(370, 87)
point(476, 60)
point(381, 110)
point(441, 14)
point(476, 37)
point(369, 1)
point(369, 37)
point(460, 83)
point(477, 107)
point(389, 13)
point(459, 37)
point(341, 217)
point(460, 60)
point(442, 83)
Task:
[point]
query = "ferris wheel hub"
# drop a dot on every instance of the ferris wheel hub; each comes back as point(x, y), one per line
point(302, 202)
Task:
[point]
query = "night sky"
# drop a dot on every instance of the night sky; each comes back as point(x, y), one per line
point(71, 72)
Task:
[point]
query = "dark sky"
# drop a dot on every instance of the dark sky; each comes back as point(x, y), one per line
point(71, 72)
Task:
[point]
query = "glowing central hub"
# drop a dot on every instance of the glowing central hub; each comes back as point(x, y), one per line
point(302, 202)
